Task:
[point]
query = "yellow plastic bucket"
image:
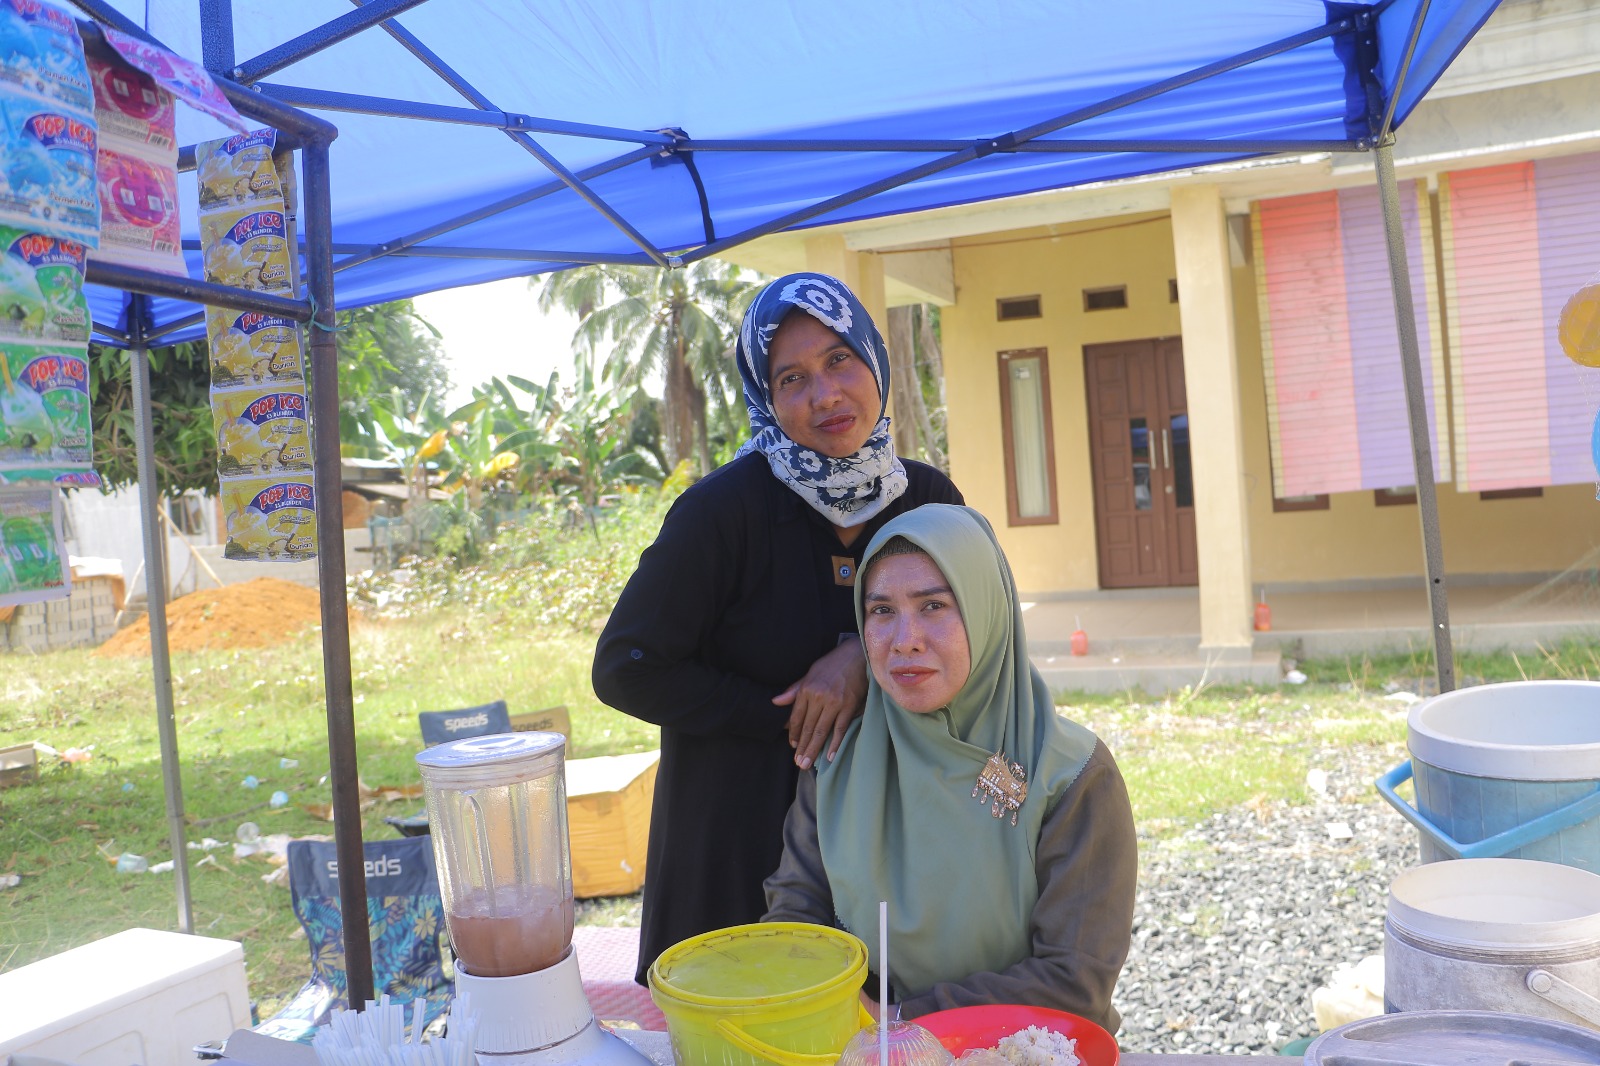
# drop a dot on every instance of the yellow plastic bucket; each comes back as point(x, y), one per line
point(753, 995)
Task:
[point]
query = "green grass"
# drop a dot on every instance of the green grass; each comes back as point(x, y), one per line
point(1184, 756)
point(238, 714)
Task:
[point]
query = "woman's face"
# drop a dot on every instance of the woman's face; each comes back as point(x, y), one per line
point(823, 393)
point(916, 641)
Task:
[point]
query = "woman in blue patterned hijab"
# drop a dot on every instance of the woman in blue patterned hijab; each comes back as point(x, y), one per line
point(848, 473)
point(737, 634)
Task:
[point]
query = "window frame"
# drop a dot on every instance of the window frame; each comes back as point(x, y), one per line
point(1008, 438)
point(1390, 498)
point(1005, 303)
point(1090, 294)
point(1316, 502)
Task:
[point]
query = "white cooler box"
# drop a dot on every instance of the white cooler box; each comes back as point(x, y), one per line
point(141, 996)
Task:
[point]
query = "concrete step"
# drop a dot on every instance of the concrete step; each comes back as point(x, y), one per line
point(1106, 671)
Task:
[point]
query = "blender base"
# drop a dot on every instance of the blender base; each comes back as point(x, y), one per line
point(541, 1019)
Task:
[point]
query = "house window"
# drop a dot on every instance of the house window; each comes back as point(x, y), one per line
point(1107, 299)
point(1172, 290)
point(1300, 503)
point(1008, 308)
point(1511, 494)
point(1028, 438)
point(1398, 497)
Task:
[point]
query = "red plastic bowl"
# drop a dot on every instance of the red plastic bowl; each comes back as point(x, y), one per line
point(968, 1028)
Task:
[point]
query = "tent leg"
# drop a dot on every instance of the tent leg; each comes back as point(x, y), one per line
point(323, 356)
point(155, 584)
point(1417, 410)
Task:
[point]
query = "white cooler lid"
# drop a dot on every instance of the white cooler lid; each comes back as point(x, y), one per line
point(1516, 731)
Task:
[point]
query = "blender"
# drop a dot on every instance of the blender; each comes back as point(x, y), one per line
point(497, 808)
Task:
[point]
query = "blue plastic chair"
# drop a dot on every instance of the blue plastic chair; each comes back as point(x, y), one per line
point(406, 918)
point(439, 727)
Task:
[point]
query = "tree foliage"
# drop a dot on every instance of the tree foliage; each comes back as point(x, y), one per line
point(679, 324)
point(180, 402)
point(388, 355)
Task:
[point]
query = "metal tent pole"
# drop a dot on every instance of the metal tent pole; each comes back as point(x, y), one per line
point(155, 584)
point(323, 359)
point(1417, 410)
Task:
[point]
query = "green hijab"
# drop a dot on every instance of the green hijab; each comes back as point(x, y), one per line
point(896, 818)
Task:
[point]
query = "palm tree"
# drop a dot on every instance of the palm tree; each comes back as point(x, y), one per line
point(678, 323)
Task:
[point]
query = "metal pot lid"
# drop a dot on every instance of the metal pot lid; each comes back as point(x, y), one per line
point(496, 758)
point(1453, 1038)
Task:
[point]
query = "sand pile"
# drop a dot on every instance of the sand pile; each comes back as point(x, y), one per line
point(253, 614)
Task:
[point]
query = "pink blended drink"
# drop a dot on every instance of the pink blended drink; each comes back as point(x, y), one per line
point(526, 929)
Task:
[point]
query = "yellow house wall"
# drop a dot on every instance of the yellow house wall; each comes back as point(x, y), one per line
point(1136, 253)
point(1353, 540)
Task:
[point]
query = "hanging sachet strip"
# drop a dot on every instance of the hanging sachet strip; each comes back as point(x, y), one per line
point(258, 391)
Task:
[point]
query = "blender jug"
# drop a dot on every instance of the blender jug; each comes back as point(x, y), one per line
point(497, 809)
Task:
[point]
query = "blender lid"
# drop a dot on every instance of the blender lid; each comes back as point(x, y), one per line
point(502, 757)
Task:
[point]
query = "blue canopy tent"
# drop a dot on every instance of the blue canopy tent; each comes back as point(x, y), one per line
point(481, 140)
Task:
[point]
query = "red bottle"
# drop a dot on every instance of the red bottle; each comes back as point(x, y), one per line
point(1263, 614)
point(1080, 642)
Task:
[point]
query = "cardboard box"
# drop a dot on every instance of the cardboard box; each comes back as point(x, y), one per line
point(550, 720)
point(608, 821)
point(19, 765)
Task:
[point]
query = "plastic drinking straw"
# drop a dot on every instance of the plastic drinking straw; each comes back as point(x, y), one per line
point(483, 849)
point(883, 982)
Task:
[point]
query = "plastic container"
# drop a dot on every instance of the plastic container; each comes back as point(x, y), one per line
point(969, 1028)
point(909, 1044)
point(497, 806)
point(1505, 770)
point(1454, 1038)
point(775, 992)
point(1496, 935)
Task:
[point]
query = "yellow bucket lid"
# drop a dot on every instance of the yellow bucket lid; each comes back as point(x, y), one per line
point(755, 963)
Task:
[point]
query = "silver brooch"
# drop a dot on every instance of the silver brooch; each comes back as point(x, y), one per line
point(1004, 785)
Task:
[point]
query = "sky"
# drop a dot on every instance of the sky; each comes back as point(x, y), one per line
point(496, 329)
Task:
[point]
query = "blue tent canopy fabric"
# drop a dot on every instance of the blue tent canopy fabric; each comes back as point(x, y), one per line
point(719, 120)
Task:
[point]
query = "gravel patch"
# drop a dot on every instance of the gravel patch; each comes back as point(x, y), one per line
point(1239, 918)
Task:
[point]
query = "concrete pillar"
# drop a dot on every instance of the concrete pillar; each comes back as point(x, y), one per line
point(1211, 373)
point(861, 271)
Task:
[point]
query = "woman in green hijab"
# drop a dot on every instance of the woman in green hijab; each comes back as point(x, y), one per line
point(999, 832)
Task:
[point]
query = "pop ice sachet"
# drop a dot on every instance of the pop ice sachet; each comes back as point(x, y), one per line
point(250, 349)
point(248, 249)
point(41, 288)
point(261, 433)
point(130, 107)
point(47, 169)
point(270, 519)
point(41, 54)
point(44, 405)
point(139, 213)
point(238, 172)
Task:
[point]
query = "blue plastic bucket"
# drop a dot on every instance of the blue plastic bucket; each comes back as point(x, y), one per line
point(1507, 770)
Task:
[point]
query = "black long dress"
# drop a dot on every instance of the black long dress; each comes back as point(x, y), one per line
point(740, 594)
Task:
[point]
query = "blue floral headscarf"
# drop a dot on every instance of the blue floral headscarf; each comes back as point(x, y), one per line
point(847, 491)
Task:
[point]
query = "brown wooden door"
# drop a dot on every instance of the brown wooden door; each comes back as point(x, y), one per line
point(1139, 454)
